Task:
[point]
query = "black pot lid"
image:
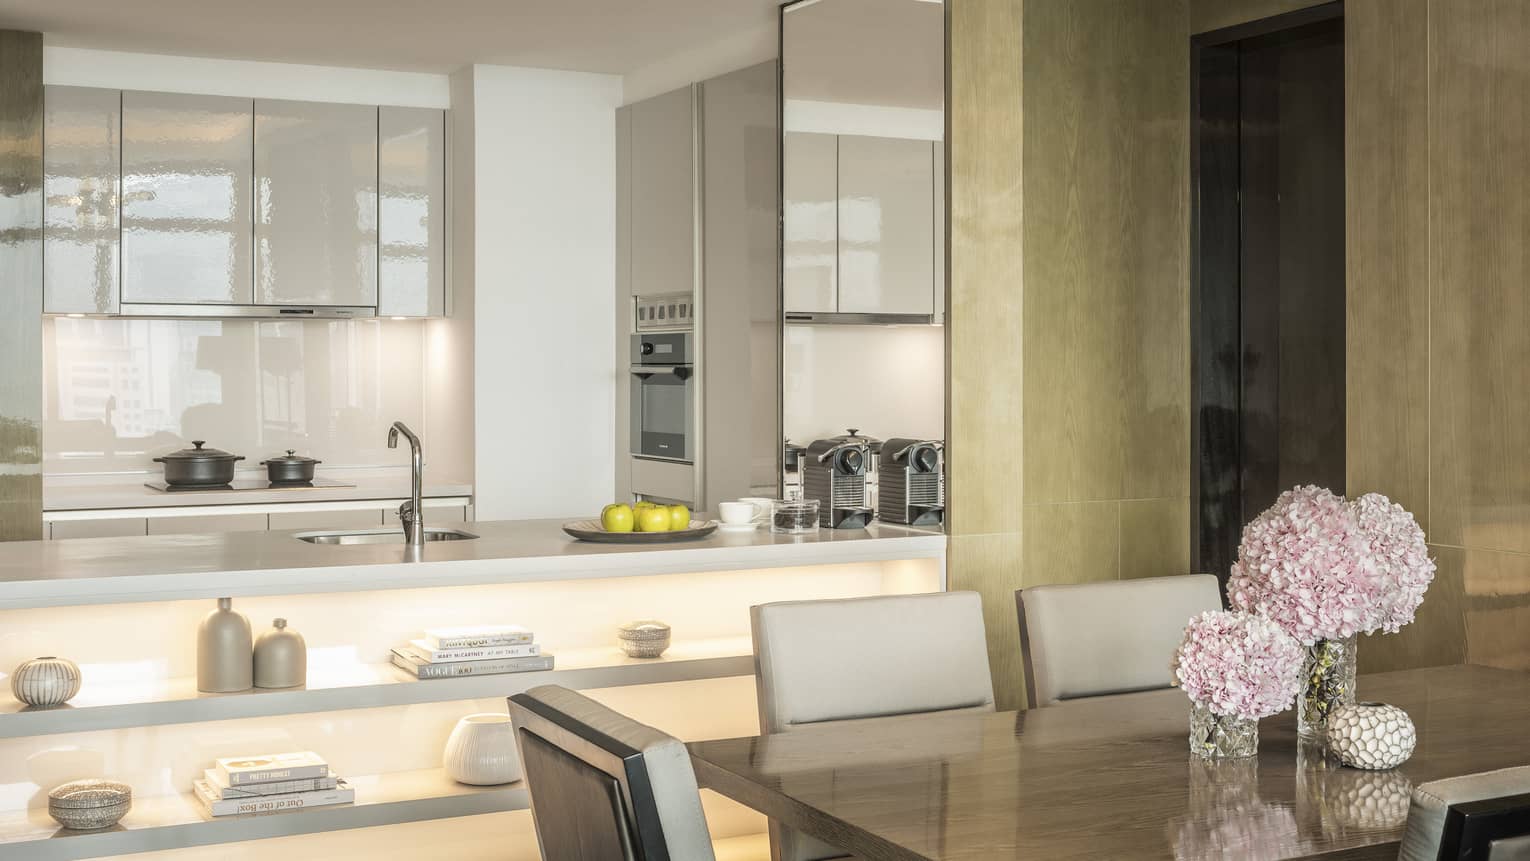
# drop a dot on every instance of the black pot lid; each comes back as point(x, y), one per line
point(290, 457)
point(856, 436)
point(196, 453)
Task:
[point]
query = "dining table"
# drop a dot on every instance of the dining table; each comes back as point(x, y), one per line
point(1113, 777)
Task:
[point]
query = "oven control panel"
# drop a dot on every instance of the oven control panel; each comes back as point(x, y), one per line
point(674, 311)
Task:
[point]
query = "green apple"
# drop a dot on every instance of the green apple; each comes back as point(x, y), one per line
point(679, 518)
point(617, 517)
point(653, 519)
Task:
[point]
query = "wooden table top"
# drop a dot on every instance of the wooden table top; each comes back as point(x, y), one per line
point(1112, 777)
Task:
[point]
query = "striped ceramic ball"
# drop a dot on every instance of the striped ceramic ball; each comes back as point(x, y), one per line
point(46, 681)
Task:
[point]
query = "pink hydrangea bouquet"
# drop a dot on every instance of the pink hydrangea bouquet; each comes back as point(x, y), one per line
point(1306, 564)
point(1396, 546)
point(1238, 665)
point(1325, 569)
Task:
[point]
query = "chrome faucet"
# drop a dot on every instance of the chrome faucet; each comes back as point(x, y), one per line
point(411, 513)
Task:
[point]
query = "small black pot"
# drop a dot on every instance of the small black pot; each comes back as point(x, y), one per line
point(291, 469)
point(199, 467)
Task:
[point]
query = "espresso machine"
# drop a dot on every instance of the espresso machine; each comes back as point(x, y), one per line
point(912, 482)
point(834, 473)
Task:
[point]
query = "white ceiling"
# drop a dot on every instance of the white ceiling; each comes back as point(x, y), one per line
point(888, 53)
point(609, 36)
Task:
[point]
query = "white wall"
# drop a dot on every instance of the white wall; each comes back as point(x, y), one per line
point(887, 381)
point(120, 70)
point(545, 263)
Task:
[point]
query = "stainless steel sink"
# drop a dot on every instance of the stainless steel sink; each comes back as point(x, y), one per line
point(380, 536)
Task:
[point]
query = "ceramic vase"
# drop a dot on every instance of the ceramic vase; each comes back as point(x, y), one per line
point(281, 657)
point(225, 656)
point(1329, 676)
point(46, 681)
point(481, 751)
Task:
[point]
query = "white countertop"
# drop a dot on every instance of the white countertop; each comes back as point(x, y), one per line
point(178, 567)
point(115, 492)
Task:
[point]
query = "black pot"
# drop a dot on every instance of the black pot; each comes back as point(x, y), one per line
point(291, 469)
point(199, 467)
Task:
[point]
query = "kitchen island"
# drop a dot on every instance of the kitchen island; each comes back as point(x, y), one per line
point(126, 610)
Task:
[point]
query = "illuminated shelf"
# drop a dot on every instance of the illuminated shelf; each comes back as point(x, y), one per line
point(339, 685)
point(175, 821)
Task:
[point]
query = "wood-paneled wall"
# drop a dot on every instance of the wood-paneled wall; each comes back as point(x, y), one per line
point(1068, 321)
point(1068, 333)
point(1441, 327)
point(984, 317)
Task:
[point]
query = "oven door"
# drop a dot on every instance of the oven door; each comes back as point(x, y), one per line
point(663, 411)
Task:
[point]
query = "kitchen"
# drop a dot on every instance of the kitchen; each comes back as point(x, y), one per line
point(370, 417)
point(488, 432)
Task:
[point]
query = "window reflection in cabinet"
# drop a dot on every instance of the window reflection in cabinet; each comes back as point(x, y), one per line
point(315, 203)
point(186, 180)
point(886, 226)
point(810, 228)
point(82, 172)
point(411, 172)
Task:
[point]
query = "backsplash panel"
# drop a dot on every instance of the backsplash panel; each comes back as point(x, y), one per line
point(119, 392)
point(887, 381)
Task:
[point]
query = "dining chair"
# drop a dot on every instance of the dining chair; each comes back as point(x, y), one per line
point(1115, 637)
point(602, 785)
point(858, 658)
point(1480, 816)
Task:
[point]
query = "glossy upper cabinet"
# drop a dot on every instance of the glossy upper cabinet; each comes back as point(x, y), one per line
point(186, 209)
point(662, 201)
point(886, 226)
point(315, 203)
point(411, 175)
point(809, 222)
point(82, 173)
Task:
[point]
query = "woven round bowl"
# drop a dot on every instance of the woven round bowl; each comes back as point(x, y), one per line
point(88, 805)
point(646, 638)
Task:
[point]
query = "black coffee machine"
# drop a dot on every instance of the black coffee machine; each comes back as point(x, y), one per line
point(834, 473)
point(911, 482)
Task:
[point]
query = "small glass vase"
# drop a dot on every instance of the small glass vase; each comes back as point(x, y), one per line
point(1214, 736)
point(1329, 675)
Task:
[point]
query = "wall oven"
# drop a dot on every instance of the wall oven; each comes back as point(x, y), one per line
point(664, 380)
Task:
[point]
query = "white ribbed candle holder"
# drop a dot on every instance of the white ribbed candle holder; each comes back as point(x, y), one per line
point(481, 751)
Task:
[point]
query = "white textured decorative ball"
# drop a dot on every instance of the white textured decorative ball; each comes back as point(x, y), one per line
point(1371, 735)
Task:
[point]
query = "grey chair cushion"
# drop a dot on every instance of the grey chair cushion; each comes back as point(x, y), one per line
point(859, 658)
point(1107, 638)
point(667, 761)
point(1431, 801)
point(869, 657)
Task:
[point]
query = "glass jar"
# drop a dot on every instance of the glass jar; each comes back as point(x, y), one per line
point(1214, 736)
point(1328, 675)
point(794, 517)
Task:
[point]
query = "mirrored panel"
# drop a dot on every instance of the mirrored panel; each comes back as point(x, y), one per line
point(863, 226)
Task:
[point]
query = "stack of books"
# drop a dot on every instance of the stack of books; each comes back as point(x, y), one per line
point(270, 782)
point(476, 651)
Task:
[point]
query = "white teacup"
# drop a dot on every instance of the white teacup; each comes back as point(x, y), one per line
point(736, 513)
point(761, 505)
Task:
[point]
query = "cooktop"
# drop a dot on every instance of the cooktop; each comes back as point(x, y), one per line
point(246, 484)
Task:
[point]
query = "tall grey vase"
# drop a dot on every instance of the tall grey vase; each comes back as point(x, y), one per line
point(225, 659)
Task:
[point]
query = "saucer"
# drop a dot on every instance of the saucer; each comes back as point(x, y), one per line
point(737, 527)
